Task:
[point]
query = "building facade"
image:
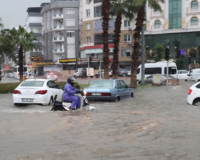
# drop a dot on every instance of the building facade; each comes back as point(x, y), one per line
point(91, 33)
point(177, 26)
point(34, 24)
point(60, 27)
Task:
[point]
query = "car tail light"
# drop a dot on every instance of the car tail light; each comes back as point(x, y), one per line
point(41, 92)
point(88, 94)
point(56, 76)
point(189, 92)
point(105, 94)
point(16, 92)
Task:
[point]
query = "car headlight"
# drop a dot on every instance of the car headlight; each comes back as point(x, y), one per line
point(84, 92)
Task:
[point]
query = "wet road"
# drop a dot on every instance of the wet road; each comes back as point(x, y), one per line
point(155, 125)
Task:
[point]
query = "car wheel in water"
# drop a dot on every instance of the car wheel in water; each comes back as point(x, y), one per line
point(117, 99)
point(197, 102)
point(124, 75)
point(91, 76)
point(132, 95)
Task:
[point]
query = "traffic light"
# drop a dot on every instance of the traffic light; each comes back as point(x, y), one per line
point(167, 54)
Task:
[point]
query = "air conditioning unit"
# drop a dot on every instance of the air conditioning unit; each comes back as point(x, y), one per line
point(129, 42)
point(129, 29)
point(61, 20)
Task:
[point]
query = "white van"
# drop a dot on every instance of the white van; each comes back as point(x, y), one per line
point(158, 68)
point(80, 72)
point(194, 75)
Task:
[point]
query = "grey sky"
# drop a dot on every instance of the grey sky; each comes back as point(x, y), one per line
point(13, 12)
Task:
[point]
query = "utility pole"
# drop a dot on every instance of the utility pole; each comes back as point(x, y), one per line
point(87, 70)
point(143, 56)
point(167, 59)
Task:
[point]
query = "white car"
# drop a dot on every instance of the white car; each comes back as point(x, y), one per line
point(193, 97)
point(129, 73)
point(183, 74)
point(37, 91)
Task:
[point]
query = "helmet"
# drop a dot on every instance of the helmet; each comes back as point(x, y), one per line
point(71, 80)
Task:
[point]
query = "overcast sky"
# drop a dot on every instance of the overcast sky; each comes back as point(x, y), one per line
point(13, 12)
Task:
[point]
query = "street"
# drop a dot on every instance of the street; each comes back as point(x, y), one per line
point(154, 125)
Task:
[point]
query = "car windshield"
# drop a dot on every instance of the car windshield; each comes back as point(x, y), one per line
point(102, 84)
point(32, 84)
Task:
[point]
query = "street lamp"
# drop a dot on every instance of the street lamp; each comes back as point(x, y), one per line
point(143, 55)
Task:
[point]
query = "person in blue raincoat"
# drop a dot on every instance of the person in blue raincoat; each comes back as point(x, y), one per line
point(69, 91)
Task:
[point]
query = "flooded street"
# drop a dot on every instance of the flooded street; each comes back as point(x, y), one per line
point(154, 125)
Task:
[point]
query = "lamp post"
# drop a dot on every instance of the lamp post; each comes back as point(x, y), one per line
point(143, 56)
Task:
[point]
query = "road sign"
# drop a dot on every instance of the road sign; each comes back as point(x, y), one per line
point(25, 77)
point(68, 60)
point(35, 58)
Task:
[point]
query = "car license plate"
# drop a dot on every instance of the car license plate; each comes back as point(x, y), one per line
point(96, 94)
point(27, 100)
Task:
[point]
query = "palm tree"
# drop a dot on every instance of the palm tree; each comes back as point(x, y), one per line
point(25, 42)
point(119, 8)
point(105, 26)
point(1, 24)
point(140, 8)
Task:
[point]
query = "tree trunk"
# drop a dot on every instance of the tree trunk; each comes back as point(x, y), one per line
point(136, 46)
point(116, 40)
point(105, 26)
point(21, 63)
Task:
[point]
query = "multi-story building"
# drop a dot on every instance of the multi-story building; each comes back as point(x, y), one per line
point(34, 24)
point(61, 31)
point(91, 33)
point(177, 26)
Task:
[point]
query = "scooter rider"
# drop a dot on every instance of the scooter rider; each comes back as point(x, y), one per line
point(69, 92)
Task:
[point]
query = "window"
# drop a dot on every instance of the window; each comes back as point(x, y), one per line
point(127, 38)
point(194, 21)
point(39, 30)
point(194, 4)
point(157, 24)
point(88, 40)
point(175, 14)
point(97, 11)
point(70, 11)
point(127, 23)
point(102, 84)
point(87, 1)
point(87, 13)
point(33, 83)
point(138, 71)
point(125, 52)
point(97, 1)
point(172, 70)
point(70, 22)
point(70, 46)
point(123, 84)
point(119, 85)
point(70, 34)
point(153, 70)
point(88, 26)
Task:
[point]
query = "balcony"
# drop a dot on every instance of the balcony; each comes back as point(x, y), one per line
point(58, 16)
point(194, 25)
point(58, 28)
point(196, 9)
point(58, 39)
point(157, 27)
point(58, 51)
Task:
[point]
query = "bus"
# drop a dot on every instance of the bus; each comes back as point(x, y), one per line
point(16, 71)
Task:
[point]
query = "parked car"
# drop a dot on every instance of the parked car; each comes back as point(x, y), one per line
point(171, 79)
point(193, 97)
point(123, 72)
point(183, 74)
point(194, 75)
point(84, 72)
point(37, 91)
point(108, 89)
point(10, 75)
point(51, 76)
point(97, 75)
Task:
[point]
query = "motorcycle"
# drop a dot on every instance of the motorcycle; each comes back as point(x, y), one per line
point(66, 106)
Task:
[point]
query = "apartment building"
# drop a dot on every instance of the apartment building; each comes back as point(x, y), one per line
point(177, 26)
point(60, 27)
point(34, 24)
point(91, 33)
